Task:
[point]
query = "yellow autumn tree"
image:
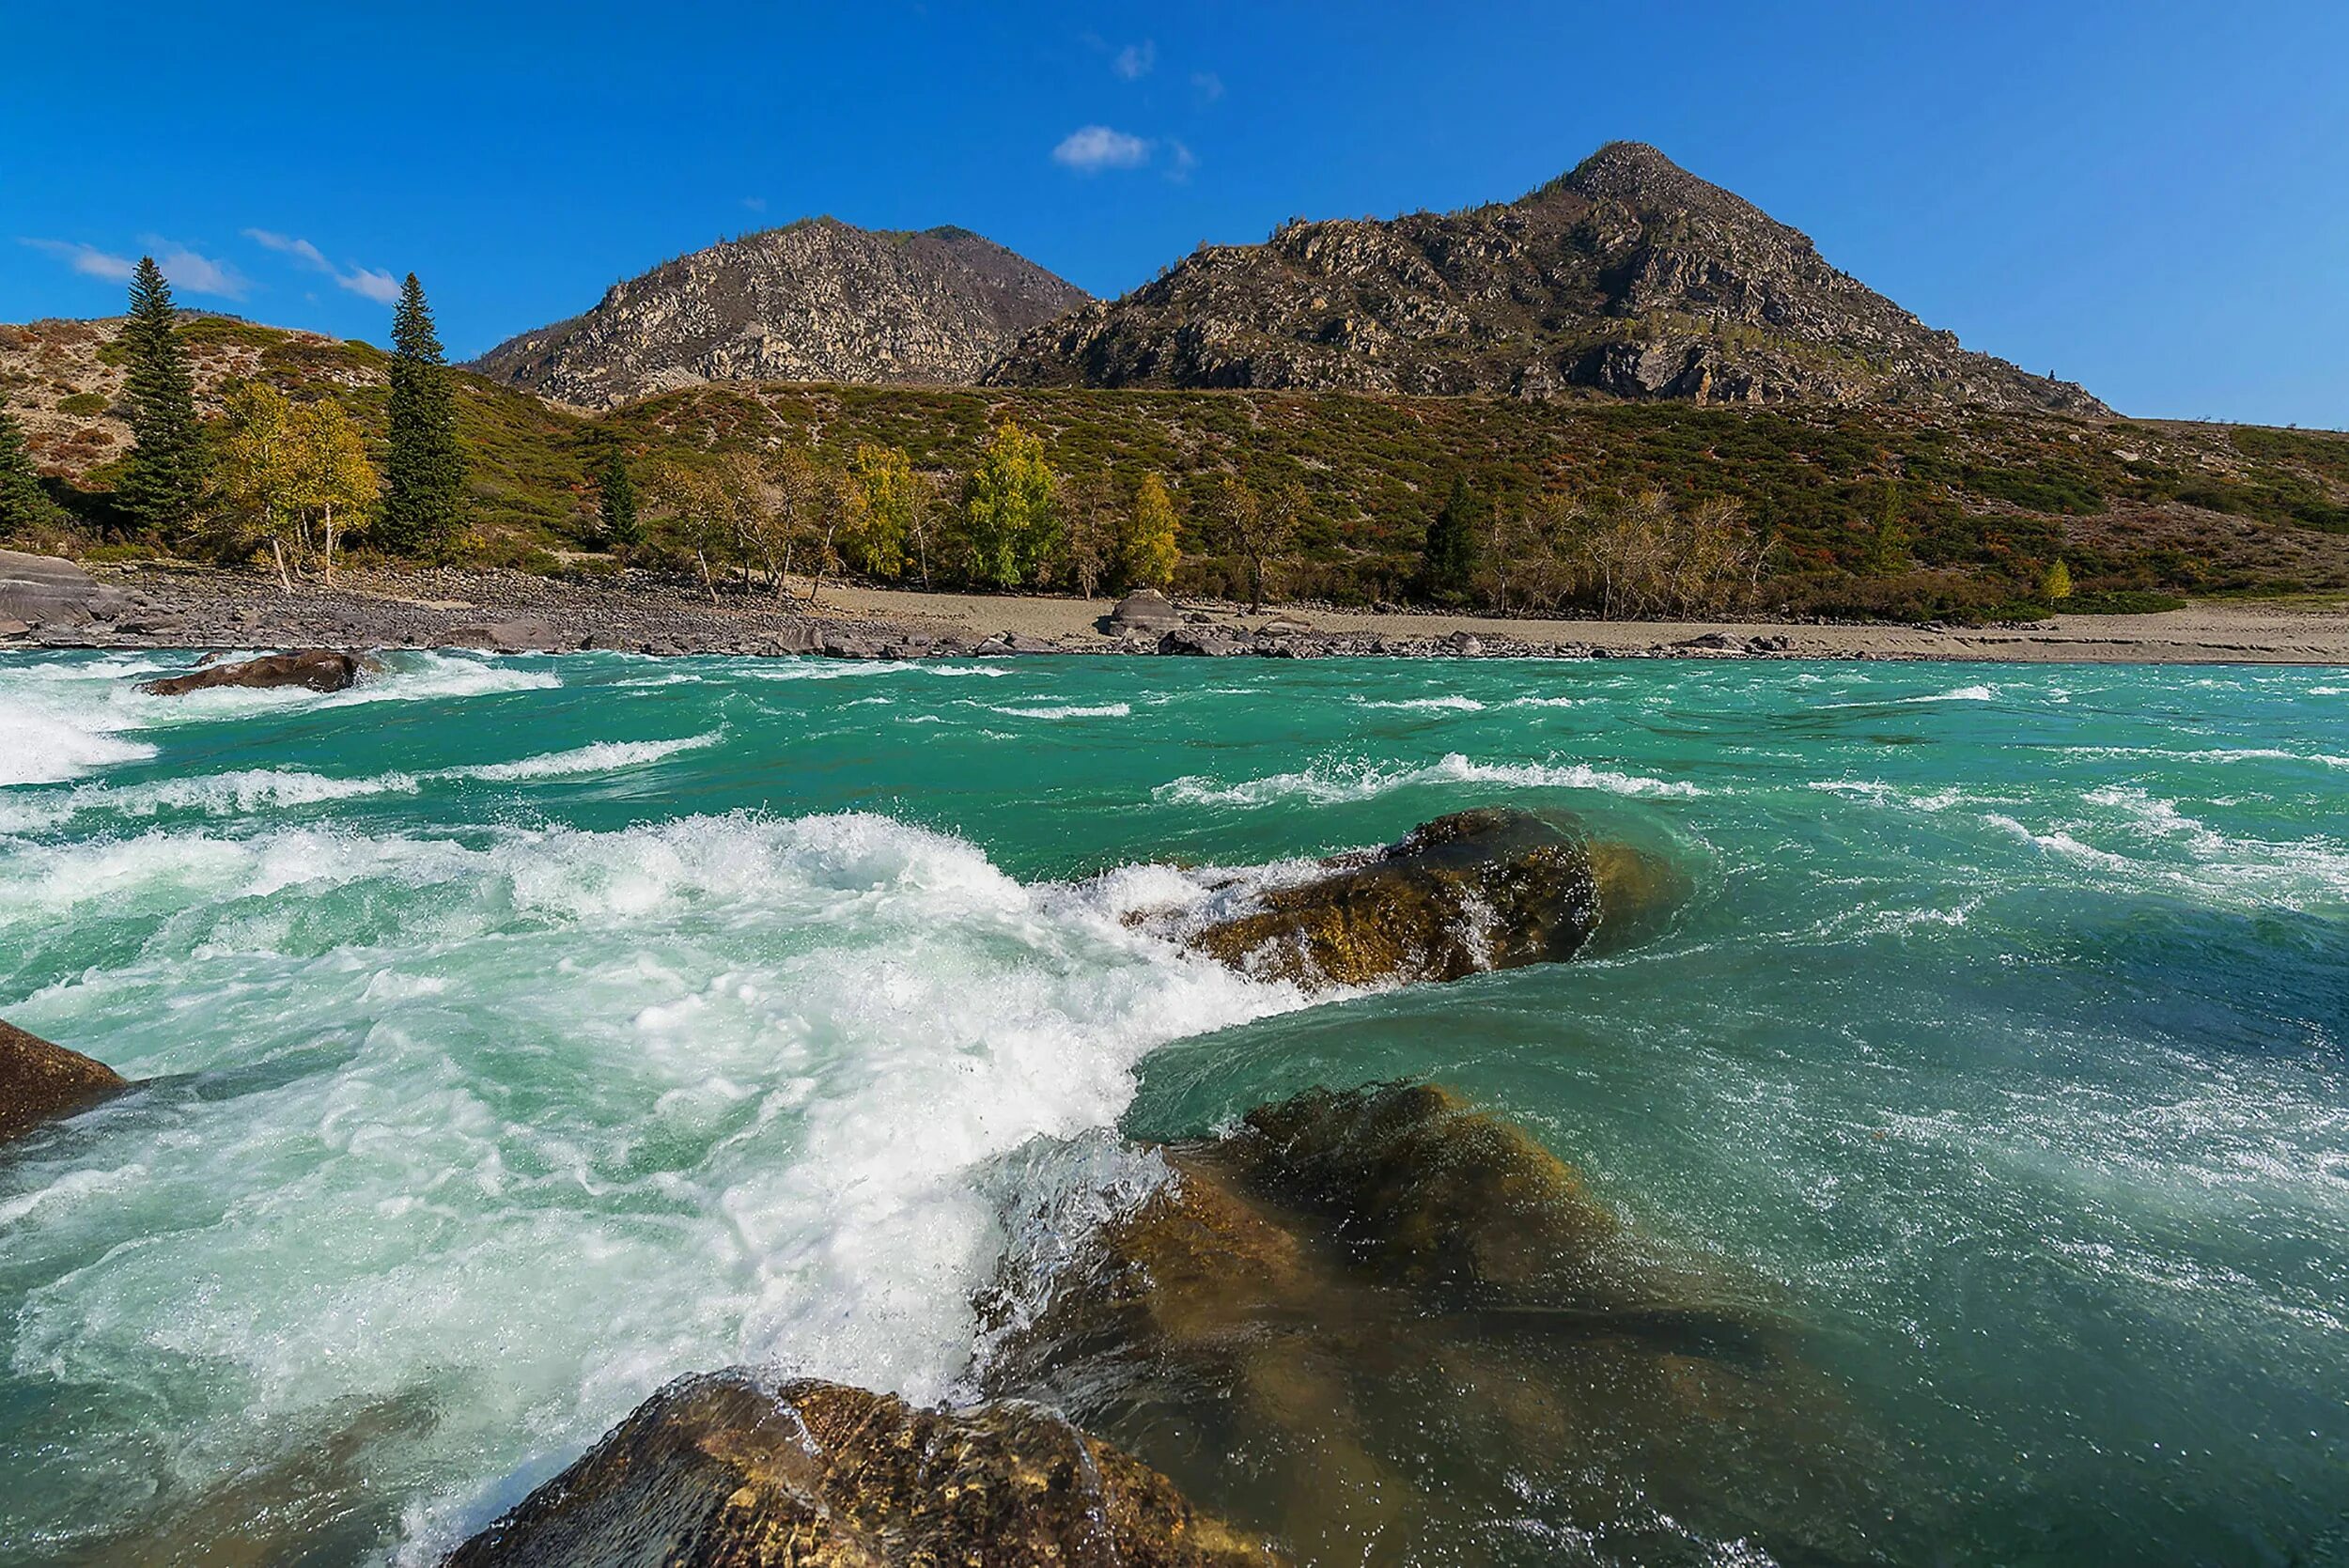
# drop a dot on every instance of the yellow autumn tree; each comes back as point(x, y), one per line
point(1145, 554)
point(884, 497)
point(331, 480)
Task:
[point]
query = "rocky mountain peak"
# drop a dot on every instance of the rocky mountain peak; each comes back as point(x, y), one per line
point(1626, 275)
point(814, 300)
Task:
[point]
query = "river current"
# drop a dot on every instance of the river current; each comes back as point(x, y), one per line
point(527, 1032)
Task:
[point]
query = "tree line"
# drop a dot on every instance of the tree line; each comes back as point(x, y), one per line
point(291, 479)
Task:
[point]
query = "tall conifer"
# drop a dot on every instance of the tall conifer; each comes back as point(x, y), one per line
point(617, 502)
point(424, 474)
point(162, 479)
point(1449, 567)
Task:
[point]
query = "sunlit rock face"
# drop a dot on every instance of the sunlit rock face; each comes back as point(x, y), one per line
point(719, 1471)
point(1490, 889)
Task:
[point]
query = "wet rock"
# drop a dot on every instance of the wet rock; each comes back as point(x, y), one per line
point(43, 1082)
point(1463, 645)
point(1489, 889)
point(1144, 609)
point(717, 1471)
point(1369, 1323)
point(319, 669)
point(43, 590)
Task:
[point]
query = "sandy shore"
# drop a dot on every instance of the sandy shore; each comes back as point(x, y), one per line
point(2212, 632)
point(158, 607)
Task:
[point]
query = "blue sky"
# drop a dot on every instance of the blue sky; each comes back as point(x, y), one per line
point(2152, 200)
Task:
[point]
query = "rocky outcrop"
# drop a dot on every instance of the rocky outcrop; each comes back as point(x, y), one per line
point(319, 669)
point(42, 590)
point(1489, 889)
point(721, 1471)
point(817, 302)
point(1627, 275)
point(41, 1082)
point(1372, 1322)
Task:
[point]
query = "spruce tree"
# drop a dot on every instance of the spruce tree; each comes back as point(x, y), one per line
point(163, 479)
point(1448, 568)
point(424, 474)
point(24, 505)
point(617, 504)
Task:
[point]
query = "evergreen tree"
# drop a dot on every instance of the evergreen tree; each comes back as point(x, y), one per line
point(24, 505)
point(163, 479)
point(424, 474)
point(617, 504)
point(1145, 553)
point(1448, 568)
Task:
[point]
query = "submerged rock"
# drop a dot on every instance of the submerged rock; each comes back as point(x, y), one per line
point(717, 1471)
point(1375, 1325)
point(41, 1082)
point(1489, 889)
point(319, 668)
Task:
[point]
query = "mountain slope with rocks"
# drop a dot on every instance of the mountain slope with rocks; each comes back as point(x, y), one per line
point(818, 301)
point(1627, 276)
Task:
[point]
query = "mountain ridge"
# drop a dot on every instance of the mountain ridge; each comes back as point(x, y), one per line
point(1626, 275)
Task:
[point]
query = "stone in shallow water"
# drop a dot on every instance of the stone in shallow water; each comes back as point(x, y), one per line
point(1382, 1325)
point(319, 669)
point(41, 1082)
point(1489, 889)
point(719, 1471)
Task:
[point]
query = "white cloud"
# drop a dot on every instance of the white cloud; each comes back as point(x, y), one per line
point(300, 250)
point(756, 204)
point(1207, 84)
point(1094, 148)
point(1134, 61)
point(86, 260)
point(193, 270)
point(368, 283)
point(1181, 162)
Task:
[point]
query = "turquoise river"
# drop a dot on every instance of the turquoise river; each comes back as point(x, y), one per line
point(527, 1032)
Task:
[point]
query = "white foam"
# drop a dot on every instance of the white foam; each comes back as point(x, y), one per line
point(1454, 703)
point(1329, 786)
point(761, 1064)
point(1962, 694)
point(601, 756)
point(1070, 710)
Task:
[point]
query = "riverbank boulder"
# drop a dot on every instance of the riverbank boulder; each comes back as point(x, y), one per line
point(724, 1471)
point(318, 668)
point(43, 1082)
point(45, 590)
point(1144, 609)
point(1489, 889)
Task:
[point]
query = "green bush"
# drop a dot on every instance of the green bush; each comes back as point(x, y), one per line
point(85, 405)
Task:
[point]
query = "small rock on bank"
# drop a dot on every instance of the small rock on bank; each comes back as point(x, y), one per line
point(717, 1472)
point(41, 1082)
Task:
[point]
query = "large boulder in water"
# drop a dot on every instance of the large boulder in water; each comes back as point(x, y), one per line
point(1489, 889)
point(1370, 1324)
point(41, 1082)
point(719, 1471)
point(43, 589)
point(319, 669)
